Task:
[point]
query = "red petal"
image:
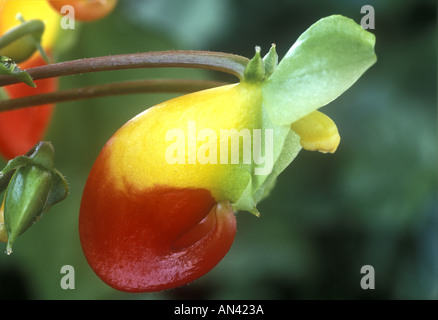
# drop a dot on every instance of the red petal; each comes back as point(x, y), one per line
point(21, 129)
point(155, 239)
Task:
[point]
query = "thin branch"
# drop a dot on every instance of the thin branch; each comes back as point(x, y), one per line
point(103, 90)
point(218, 61)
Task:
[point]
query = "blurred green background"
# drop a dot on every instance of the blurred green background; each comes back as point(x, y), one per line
point(374, 202)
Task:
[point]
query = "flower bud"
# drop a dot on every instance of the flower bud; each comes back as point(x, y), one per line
point(20, 42)
point(33, 186)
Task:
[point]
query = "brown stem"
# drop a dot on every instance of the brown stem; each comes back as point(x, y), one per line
point(217, 61)
point(128, 87)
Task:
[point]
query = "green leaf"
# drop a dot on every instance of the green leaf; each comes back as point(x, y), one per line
point(9, 67)
point(324, 62)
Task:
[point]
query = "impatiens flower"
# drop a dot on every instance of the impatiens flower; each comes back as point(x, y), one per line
point(158, 209)
point(21, 129)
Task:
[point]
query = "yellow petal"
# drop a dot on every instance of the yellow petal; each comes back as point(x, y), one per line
point(138, 152)
point(317, 132)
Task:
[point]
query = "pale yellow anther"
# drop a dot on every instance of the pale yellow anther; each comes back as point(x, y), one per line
point(317, 132)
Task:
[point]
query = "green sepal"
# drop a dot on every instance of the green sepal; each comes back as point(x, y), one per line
point(9, 68)
point(25, 199)
point(285, 147)
point(42, 154)
point(59, 190)
point(8, 171)
point(270, 60)
point(5, 178)
point(255, 70)
point(34, 187)
point(324, 62)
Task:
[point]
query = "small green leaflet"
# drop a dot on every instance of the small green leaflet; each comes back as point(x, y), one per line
point(9, 67)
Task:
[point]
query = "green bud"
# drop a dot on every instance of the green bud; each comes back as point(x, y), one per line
point(20, 42)
point(20, 50)
point(33, 186)
point(24, 201)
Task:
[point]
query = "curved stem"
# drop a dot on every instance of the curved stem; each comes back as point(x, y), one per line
point(217, 61)
point(103, 90)
point(26, 28)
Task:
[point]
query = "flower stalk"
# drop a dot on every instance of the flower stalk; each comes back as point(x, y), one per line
point(216, 61)
point(111, 89)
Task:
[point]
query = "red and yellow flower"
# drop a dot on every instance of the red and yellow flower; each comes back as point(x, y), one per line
point(149, 224)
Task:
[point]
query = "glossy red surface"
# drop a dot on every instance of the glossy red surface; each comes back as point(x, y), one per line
point(152, 240)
